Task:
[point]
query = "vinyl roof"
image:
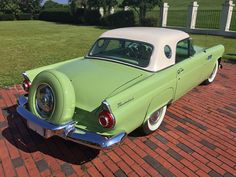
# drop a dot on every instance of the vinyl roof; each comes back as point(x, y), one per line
point(150, 35)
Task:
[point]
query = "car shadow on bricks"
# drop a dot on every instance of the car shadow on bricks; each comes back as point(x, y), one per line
point(28, 141)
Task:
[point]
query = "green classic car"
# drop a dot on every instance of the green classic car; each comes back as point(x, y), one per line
point(125, 82)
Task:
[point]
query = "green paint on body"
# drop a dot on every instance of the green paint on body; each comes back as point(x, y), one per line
point(133, 94)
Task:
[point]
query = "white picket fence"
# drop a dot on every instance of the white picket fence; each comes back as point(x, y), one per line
point(223, 23)
point(225, 20)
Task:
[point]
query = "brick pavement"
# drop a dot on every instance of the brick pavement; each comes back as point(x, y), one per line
point(197, 138)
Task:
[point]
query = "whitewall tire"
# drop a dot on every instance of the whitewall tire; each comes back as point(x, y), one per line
point(154, 121)
point(212, 77)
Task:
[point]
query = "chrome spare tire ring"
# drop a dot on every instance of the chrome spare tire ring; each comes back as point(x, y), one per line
point(45, 101)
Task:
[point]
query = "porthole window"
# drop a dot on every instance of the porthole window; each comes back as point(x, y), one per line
point(167, 51)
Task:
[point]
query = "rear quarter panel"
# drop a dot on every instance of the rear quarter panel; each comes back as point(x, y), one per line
point(212, 55)
point(133, 106)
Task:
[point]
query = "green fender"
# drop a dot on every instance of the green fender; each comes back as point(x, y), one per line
point(63, 92)
point(159, 101)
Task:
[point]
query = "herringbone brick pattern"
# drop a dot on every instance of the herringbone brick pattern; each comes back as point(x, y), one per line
point(197, 138)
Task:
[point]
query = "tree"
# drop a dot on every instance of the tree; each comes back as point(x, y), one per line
point(141, 6)
point(78, 3)
point(94, 4)
point(36, 6)
point(105, 4)
point(10, 6)
point(74, 4)
point(17, 6)
point(49, 4)
point(31, 6)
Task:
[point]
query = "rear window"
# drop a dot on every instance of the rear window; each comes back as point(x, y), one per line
point(122, 50)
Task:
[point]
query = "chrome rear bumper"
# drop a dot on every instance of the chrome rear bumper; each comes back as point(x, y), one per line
point(68, 131)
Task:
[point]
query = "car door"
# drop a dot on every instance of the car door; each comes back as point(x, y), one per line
point(187, 68)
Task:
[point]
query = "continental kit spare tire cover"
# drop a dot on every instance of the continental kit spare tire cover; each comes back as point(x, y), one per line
point(52, 97)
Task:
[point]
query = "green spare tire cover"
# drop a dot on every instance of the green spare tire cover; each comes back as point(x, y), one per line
point(52, 97)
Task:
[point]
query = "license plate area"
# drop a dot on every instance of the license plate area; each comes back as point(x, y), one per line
point(36, 128)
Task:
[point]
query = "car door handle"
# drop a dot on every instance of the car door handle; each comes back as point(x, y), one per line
point(180, 70)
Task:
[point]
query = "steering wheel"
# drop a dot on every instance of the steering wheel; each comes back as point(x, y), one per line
point(132, 50)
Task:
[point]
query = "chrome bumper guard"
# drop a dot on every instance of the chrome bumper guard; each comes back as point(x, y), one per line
point(68, 131)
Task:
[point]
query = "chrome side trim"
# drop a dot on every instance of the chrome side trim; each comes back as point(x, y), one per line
point(69, 131)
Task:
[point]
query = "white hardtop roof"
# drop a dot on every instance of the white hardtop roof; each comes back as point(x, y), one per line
point(158, 37)
point(151, 35)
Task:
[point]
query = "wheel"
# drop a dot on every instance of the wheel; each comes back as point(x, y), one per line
point(52, 97)
point(211, 78)
point(154, 121)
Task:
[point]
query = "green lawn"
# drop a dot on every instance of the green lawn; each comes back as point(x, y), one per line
point(203, 4)
point(29, 44)
point(183, 4)
point(209, 41)
point(208, 16)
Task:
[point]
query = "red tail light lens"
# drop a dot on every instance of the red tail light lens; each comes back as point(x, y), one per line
point(106, 119)
point(26, 85)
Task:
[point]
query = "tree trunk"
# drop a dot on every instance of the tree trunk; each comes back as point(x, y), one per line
point(105, 10)
point(142, 14)
point(109, 10)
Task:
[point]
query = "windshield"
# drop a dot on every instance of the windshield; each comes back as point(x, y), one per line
point(122, 50)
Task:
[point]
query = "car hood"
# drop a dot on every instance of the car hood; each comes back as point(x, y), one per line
point(95, 80)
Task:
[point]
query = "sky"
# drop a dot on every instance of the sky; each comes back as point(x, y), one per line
point(59, 1)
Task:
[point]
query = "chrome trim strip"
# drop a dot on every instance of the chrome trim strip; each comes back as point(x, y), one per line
point(107, 105)
point(109, 109)
point(70, 132)
point(25, 75)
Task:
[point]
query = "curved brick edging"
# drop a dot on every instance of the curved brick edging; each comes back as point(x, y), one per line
point(197, 138)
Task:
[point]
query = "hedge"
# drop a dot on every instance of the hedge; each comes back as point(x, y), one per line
point(82, 16)
point(7, 17)
point(24, 16)
point(36, 16)
point(56, 15)
point(119, 19)
point(150, 22)
point(92, 17)
point(79, 15)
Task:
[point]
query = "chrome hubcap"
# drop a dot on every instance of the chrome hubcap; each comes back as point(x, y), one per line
point(154, 118)
point(44, 101)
